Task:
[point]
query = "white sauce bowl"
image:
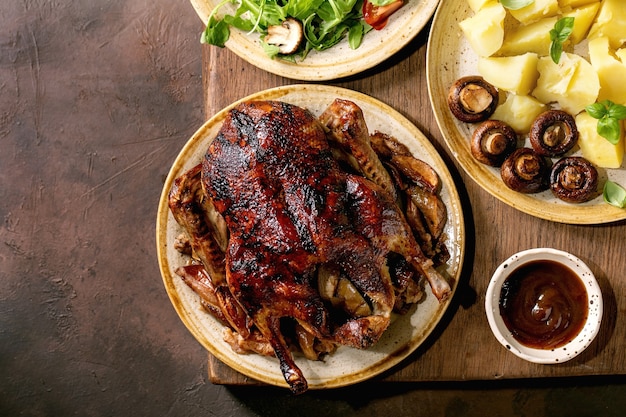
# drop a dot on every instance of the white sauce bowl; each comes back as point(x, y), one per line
point(537, 355)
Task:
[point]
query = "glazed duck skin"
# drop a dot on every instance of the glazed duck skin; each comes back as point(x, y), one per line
point(289, 209)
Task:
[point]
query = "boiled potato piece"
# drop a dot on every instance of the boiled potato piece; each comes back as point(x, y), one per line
point(517, 74)
point(476, 5)
point(583, 18)
point(564, 4)
point(535, 11)
point(610, 22)
point(485, 29)
point(534, 37)
point(611, 71)
point(594, 147)
point(572, 83)
point(519, 112)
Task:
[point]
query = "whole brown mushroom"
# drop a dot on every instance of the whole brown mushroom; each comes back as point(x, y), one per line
point(553, 133)
point(492, 142)
point(525, 171)
point(574, 179)
point(472, 99)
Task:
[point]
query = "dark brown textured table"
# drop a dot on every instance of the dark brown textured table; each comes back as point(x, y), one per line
point(462, 347)
point(97, 99)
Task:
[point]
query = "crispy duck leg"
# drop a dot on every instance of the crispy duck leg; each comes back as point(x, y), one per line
point(347, 127)
point(187, 203)
point(345, 121)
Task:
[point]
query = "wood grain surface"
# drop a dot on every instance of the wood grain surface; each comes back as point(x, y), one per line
point(462, 347)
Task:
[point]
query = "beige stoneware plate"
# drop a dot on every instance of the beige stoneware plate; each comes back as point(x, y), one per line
point(346, 366)
point(339, 61)
point(449, 57)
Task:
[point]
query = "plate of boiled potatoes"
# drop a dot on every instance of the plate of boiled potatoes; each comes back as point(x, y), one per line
point(515, 112)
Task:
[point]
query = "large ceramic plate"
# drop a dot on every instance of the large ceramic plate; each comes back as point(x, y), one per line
point(449, 57)
point(339, 61)
point(346, 365)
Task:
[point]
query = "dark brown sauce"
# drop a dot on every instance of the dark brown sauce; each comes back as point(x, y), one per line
point(543, 304)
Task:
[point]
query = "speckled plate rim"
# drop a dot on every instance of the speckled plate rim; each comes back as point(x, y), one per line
point(346, 366)
point(448, 58)
point(544, 356)
point(340, 61)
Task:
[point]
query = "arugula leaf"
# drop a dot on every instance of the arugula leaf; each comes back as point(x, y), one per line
point(216, 33)
point(614, 194)
point(558, 35)
point(381, 3)
point(516, 4)
point(270, 50)
point(355, 36)
point(301, 9)
point(609, 115)
point(239, 23)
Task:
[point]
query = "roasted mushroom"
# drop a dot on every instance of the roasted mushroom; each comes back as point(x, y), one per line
point(553, 133)
point(472, 99)
point(287, 36)
point(492, 142)
point(574, 179)
point(525, 171)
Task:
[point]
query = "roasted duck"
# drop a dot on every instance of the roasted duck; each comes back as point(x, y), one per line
point(300, 233)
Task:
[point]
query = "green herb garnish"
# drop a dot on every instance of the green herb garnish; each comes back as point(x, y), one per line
point(325, 22)
point(216, 31)
point(516, 4)
point(609, 115)
point(614, 194)
point(558, 35)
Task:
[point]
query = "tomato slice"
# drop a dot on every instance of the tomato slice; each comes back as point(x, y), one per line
point(376, 16)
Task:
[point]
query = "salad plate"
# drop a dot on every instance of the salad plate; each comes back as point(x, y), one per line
point(449, 57)
point(339, 61)
point(347, 365)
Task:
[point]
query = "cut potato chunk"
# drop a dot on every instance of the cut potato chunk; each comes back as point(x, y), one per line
point(517, 74)
point(535, 11)
point(476, 5)
point(529, 38)
point(485, 29)
point(611, 71)
point(594, 147)
point(610, 22)
point(572, 83)
point(583, 19)
point(564, 4)
point(519, 112)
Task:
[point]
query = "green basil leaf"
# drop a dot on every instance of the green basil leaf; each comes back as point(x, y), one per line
point(614, 194)
point(564, 27)
point(617, 111)
point(558, 35)
point(609, 129)
point(596, 110)
point(516, 4)
point(556, 50)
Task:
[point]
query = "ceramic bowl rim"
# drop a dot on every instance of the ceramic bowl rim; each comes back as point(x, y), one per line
point(544, 356)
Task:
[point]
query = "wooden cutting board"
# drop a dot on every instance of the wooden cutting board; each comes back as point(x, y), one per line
point(462, 346)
